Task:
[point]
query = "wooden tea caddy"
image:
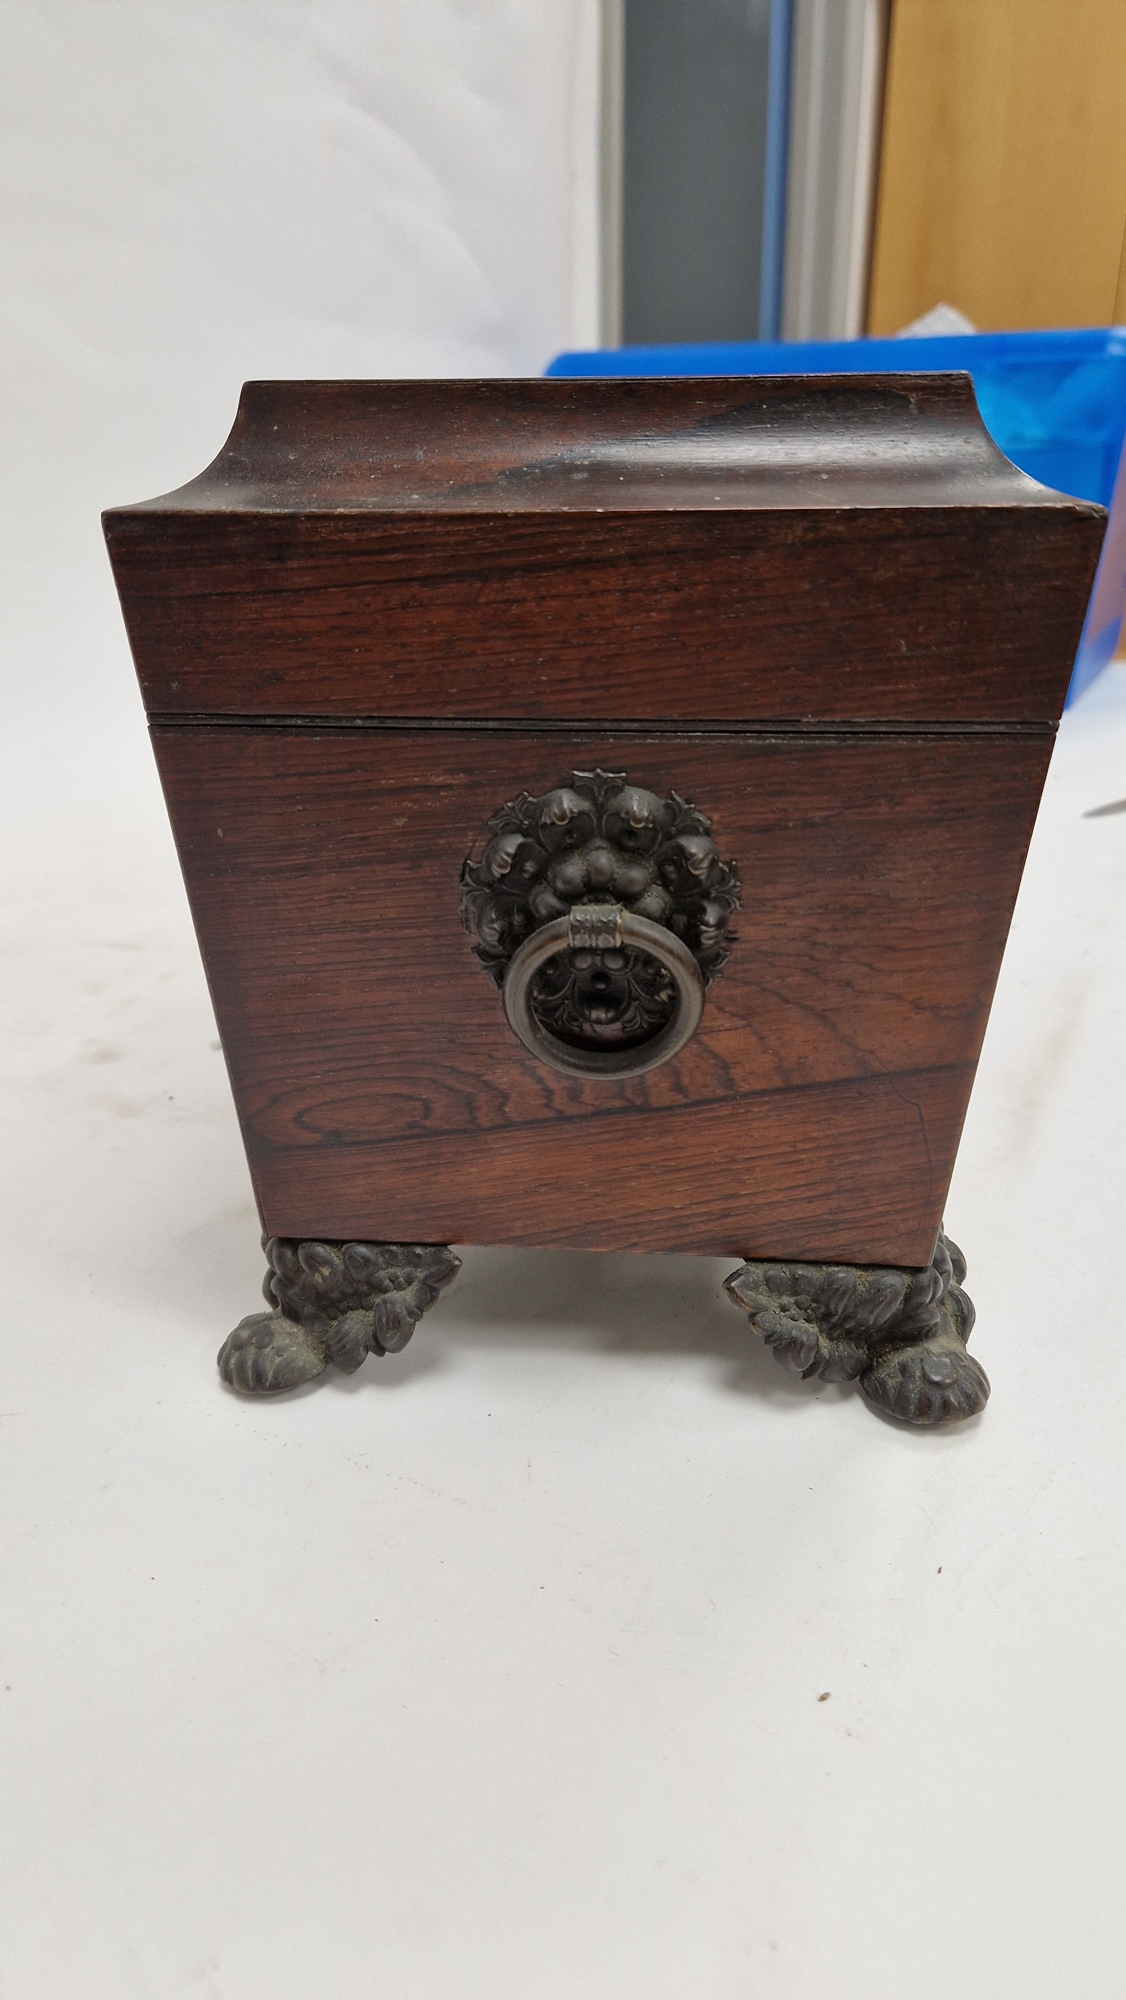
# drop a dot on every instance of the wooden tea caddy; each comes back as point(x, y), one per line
point(602, 805)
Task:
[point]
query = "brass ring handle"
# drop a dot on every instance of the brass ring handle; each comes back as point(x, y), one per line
point(603, 927)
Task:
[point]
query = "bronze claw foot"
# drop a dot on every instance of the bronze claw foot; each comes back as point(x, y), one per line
point(335, 1302)
point(901, 1334)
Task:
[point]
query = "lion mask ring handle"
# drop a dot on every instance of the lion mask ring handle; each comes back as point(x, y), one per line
point(602, 912)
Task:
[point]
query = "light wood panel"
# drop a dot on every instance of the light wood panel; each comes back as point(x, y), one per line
point(1003, 166)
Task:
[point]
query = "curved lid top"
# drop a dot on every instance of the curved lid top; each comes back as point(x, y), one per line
point(608, 446)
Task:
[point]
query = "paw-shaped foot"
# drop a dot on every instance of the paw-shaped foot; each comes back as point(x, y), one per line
point(931, 1382)
point(267, 1353)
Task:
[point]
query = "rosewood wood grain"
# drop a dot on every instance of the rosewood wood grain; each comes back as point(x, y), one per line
point(850, 549)
point(816, 1113)
point(553, 446)
point(847, 1173)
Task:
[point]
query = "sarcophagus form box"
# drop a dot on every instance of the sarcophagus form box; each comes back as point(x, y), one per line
point(602, 806)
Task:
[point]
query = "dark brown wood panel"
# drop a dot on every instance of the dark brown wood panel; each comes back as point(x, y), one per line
point(382, 1093)
point(945, 615)
point(648, 444)
point(826, 549)
point(854, 1172)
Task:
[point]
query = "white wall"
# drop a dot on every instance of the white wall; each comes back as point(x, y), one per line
point(199, 191)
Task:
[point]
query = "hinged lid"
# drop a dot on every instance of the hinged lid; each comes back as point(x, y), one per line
point(750, 551)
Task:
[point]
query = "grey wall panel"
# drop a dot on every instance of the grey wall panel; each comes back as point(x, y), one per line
point(695, 88)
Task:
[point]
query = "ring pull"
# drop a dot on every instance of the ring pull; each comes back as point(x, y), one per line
point(596, 931)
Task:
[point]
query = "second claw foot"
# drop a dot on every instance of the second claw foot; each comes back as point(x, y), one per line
point(902, 1333)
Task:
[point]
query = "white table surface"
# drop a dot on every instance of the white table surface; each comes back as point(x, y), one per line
point(495, 1670)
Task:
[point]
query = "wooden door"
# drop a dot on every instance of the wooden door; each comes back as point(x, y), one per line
point(1002, 184)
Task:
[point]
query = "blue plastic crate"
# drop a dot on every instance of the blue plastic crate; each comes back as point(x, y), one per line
point(1055, 403)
